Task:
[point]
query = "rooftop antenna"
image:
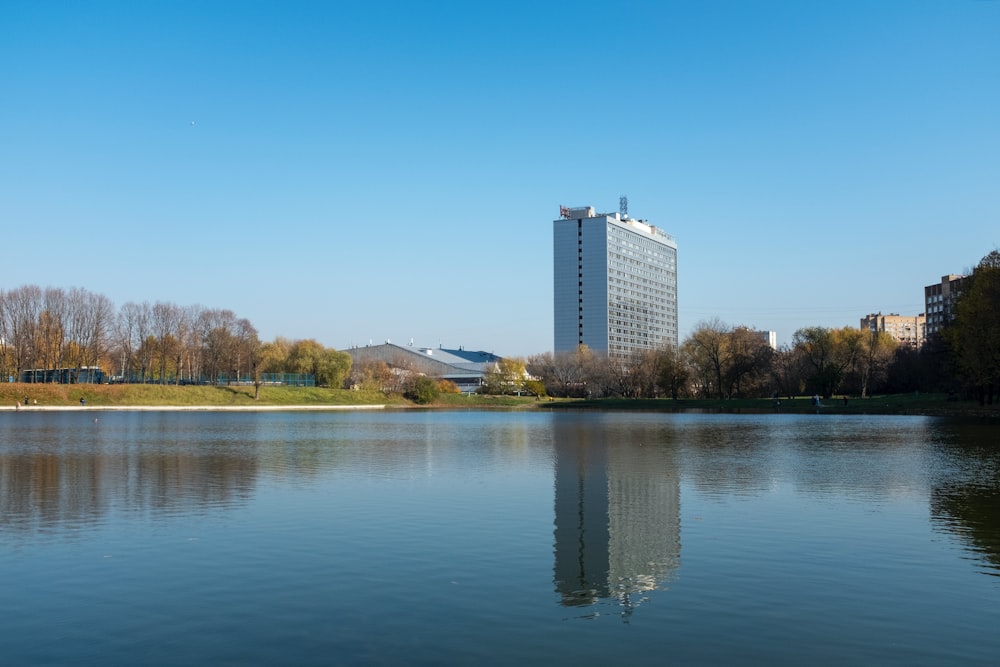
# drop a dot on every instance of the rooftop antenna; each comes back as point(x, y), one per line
point(623, 206)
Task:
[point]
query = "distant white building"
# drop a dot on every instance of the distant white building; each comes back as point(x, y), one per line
point(769, 337)
point(614, 283)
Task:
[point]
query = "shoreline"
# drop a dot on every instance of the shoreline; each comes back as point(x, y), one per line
point(185, 408)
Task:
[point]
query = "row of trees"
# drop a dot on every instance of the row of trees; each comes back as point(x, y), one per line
point(722, 361)
point(52, 328)
point(162, 342)
point(973, 339)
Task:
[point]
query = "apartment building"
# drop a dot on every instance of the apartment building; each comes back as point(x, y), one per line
point(939, 301)
point(907, 329)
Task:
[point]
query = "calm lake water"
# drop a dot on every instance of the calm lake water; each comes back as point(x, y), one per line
point(502, 538)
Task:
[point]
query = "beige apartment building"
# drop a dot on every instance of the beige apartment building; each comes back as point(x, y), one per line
point(907, 329)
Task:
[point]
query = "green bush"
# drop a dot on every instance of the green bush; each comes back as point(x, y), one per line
point(422, 390)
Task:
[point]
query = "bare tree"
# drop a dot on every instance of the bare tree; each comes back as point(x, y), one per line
point(573, 374)
point(673, 371)
point(51, 332)
point(644, 368)
point(218, 343)
point(88, 317)
point(247, 349)
point(189, 351)
point(22, 307)
point(707, 350)
point(165, 318)
point(402, 370)
point(95, 322)
point(77, 334)
point(877, 349)
point(749, 358)
point(101, 316)
point(620, 376)
point(788, 371)
point(133, 329)
point(372, 374)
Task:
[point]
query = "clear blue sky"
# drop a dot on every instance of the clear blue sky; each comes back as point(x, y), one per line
point(361, 171)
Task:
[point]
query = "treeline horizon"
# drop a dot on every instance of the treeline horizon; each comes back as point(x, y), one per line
point(53, 328)
point(720, 361)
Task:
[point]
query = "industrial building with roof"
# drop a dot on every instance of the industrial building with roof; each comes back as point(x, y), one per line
point(465, 368)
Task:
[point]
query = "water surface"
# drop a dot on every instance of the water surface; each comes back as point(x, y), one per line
point(497, 537)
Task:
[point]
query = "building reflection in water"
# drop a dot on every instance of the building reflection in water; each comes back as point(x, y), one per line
point(617, 514)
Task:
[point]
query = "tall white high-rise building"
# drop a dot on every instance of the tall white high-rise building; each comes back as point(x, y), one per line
point(615, 283)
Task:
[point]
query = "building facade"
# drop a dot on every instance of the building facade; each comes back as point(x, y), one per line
point(907, 329)
point(939, 300)
point(615, 283)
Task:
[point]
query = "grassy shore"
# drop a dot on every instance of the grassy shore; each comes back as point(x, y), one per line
point(110, 395)
point(935, 405)
point(896, 404)
point(58, 395)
